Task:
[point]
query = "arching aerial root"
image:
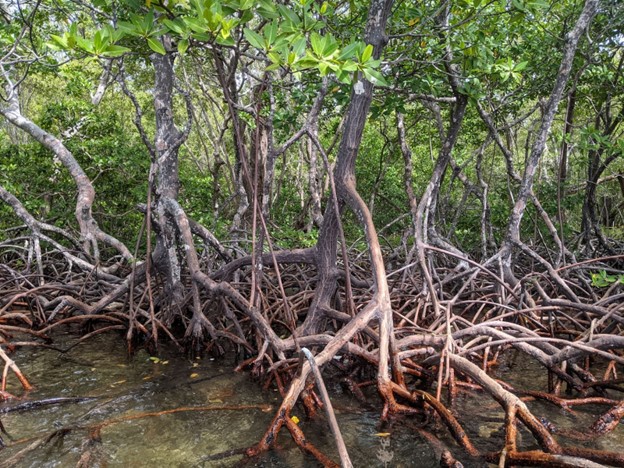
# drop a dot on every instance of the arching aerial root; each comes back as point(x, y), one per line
point(10, 364)
point(553, 332)
point(553, 454)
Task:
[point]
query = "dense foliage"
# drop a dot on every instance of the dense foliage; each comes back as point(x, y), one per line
point(506, 54)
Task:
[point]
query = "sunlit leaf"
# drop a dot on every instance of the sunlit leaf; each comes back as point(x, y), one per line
point(59, 42)
point(367, 54)
point(183, 46)
point(156, 46)
point(317, 43)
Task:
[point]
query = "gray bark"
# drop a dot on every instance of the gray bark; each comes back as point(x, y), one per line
point(537, 149)
point(344, 174)
point(90, 232)
point(168, 139)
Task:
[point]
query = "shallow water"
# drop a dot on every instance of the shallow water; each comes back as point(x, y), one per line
point(142, 383)
point(125, 386)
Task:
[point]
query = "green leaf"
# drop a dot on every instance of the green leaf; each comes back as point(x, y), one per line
point(289, 14)
point(196, 25)
point(299, 46)
point(375, 76)
point(349, 51)
point(367, 54)
point(177, 26)
point(84, 44)
point(148, 21)
point(307, 62)
point(270, 33)
point(602, 280)
point(59, 42)
point(267, 10)
point(203, 37)
point(331, 45)
point(275, 57)
point(183, 46)
point(349, 66)
point(225, 41)
point(156, 45)
point(109, 33)
point(254, 38)
point(115, 51)
point(97, 41)
point(317, 43)
point(247, 16)
point(345, 77)
point(128, 28)
point(518, 5)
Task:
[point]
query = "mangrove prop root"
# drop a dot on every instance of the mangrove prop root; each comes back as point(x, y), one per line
point(539, 458)
point(440, 449)
point(608, 421)
point(333, 423)
point(553, 331)
point(31, 405)
point(10, 364)
point(301, 441)
point(447, 460)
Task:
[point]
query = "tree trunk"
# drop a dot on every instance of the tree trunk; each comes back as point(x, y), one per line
point(537, 149)
point(596, 166)
point(166, 188)
point(344, 174)
point(563, 164)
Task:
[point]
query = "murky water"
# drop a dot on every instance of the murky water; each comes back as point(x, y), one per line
point(218, 410)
